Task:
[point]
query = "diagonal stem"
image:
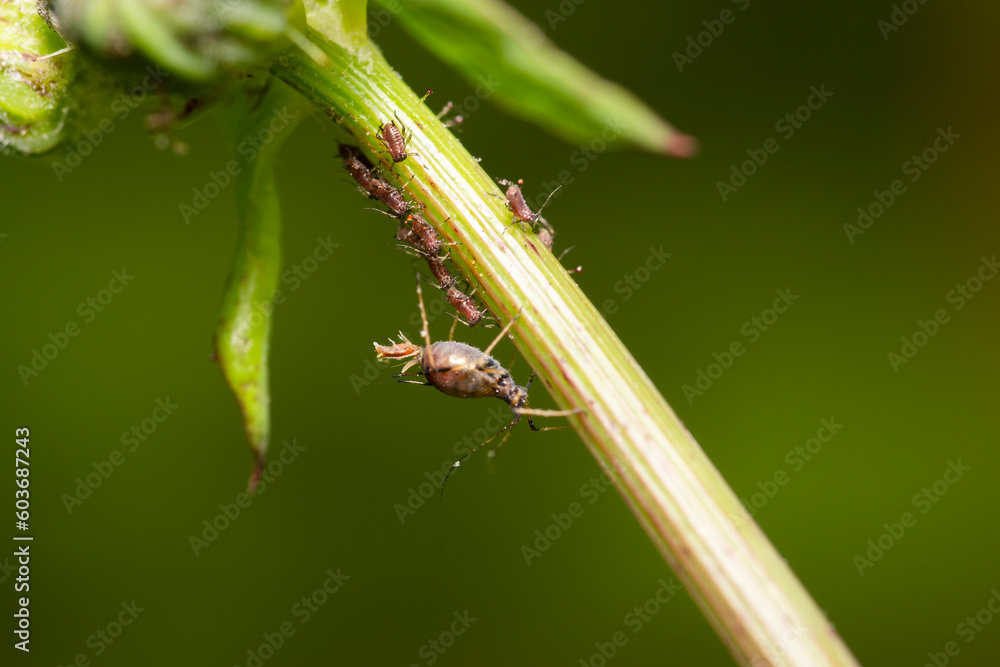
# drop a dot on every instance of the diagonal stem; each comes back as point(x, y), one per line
point(748, 593)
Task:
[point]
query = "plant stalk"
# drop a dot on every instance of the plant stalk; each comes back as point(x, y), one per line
point(748, 593)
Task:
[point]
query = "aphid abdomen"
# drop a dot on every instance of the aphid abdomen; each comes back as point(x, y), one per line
point(427, 234)
point(460, 370)
point(519, 207)
point(394, 141)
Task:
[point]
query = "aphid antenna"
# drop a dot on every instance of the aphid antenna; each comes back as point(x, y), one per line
point(538, 214)
point(503, 332)
point(475, 449)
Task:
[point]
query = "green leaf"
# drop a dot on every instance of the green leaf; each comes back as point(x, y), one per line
point(512, 61)
point(243, 336)
point(197, 39)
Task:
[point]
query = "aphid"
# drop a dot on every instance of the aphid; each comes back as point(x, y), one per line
point(547, 237)
point(463, 371)
point(439, 270)
point(394, 139)
point(428, 235)
point(358, 167)
point(460, 301)
point(465, 305)
point(519, 207)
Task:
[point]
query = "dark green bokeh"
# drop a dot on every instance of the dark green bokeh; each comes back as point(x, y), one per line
point(364, 449)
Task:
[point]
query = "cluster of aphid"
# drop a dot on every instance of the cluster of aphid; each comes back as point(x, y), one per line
point(413, 230)
point(453, 368)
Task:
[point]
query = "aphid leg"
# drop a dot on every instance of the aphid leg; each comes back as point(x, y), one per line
point(538, 213)
point(424, 384)
point(476, 449)
point(425, 332)
point(503, 332)
point(528, 412)
point(563, 253)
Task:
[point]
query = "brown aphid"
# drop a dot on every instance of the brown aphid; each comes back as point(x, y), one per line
point(547, 237)
point(463, 371)
point(390, 196)
point(394, 140)
point(523, 213)
point(427, 233)
point(359, 168)
point(465, 305)
point(440, 272)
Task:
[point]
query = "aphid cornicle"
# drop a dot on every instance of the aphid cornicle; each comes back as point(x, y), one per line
point(463, 371)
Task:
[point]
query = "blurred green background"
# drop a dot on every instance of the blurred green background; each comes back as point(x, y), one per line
point(367, 445)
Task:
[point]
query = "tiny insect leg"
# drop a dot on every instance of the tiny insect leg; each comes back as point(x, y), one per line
point(477, 448)
point(503, 332)
point(425, 332)
point(529, 412)
point(538, 213)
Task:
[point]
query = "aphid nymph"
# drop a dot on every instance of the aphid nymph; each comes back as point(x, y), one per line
point(523, 213)
point(394, 139)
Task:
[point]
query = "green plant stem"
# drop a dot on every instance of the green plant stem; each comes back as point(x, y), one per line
point(748, 593)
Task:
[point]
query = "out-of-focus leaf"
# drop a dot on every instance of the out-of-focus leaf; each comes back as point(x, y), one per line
point(33, 89)
point(510, 60)
point(198, 39)
point(261, 120)
point(341, 21)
